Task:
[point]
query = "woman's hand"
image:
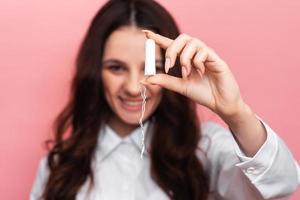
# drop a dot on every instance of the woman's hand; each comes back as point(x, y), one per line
point(206, 78)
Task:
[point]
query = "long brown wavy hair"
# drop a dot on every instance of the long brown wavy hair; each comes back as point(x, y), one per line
point(176, 134)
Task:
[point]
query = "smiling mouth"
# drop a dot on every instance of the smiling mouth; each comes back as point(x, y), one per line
point(131, 105)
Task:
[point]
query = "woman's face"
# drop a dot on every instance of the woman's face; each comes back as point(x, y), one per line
point(122, 69)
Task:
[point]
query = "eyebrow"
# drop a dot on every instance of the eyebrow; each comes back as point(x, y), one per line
point(116, 61)
point(113, 61)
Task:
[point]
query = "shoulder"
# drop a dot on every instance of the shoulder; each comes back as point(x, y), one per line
point(43, 165)
point(40, 178)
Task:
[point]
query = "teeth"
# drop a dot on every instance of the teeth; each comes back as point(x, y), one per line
point(132, 103)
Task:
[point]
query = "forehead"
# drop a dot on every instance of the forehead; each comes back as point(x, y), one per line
point(127, 44)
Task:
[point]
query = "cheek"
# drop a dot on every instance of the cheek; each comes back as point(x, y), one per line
point(111, 85)
point(155, 92)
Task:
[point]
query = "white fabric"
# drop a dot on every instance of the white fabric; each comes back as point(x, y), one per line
point(120, 173)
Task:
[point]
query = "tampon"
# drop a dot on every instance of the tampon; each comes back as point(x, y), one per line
point(150, 68)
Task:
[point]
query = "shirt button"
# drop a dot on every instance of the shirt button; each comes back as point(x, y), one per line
point(250, 170)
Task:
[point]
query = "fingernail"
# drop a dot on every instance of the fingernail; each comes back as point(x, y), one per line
point(167, 64)
point(184, 72)
point(146, 32)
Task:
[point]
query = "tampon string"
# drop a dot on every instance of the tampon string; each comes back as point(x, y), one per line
point(143, 95)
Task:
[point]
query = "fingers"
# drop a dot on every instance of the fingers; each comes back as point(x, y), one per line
point(187, 55)
point(160, 40)
point(207, 59)
point(199, 60)
point(175, 49)
point(191, 51)
point(168, 82)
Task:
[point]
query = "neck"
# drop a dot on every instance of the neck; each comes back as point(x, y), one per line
point(121, 128)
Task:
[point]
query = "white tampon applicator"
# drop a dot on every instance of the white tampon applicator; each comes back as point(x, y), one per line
point(150, 68)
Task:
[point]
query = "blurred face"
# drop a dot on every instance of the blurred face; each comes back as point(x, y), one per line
point(122, 69)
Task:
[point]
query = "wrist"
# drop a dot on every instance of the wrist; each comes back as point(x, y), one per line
point(241, 115)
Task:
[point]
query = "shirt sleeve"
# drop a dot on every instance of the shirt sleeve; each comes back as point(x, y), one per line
point(271, 173)
point(272, 169)
point(40, 180)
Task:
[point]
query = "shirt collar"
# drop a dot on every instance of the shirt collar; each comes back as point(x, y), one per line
point(109, 140)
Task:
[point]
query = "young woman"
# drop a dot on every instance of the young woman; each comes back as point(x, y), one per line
point(96, 151)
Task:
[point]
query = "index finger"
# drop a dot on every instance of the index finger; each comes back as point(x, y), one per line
point(162, 41)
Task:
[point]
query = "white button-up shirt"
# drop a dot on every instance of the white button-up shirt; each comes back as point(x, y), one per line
point(121, 174)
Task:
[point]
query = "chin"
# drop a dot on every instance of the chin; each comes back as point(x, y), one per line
point(132, 120)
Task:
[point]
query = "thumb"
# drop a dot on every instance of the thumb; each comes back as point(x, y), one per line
point(168, 82)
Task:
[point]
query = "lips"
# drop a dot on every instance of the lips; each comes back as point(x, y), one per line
point(131, 104)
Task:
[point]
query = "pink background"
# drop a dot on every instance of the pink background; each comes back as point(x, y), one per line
point(39, 40)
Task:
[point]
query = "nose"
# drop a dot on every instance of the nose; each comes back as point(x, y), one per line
point(133, 85)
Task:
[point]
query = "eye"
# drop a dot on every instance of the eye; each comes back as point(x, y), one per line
point(116, 68)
